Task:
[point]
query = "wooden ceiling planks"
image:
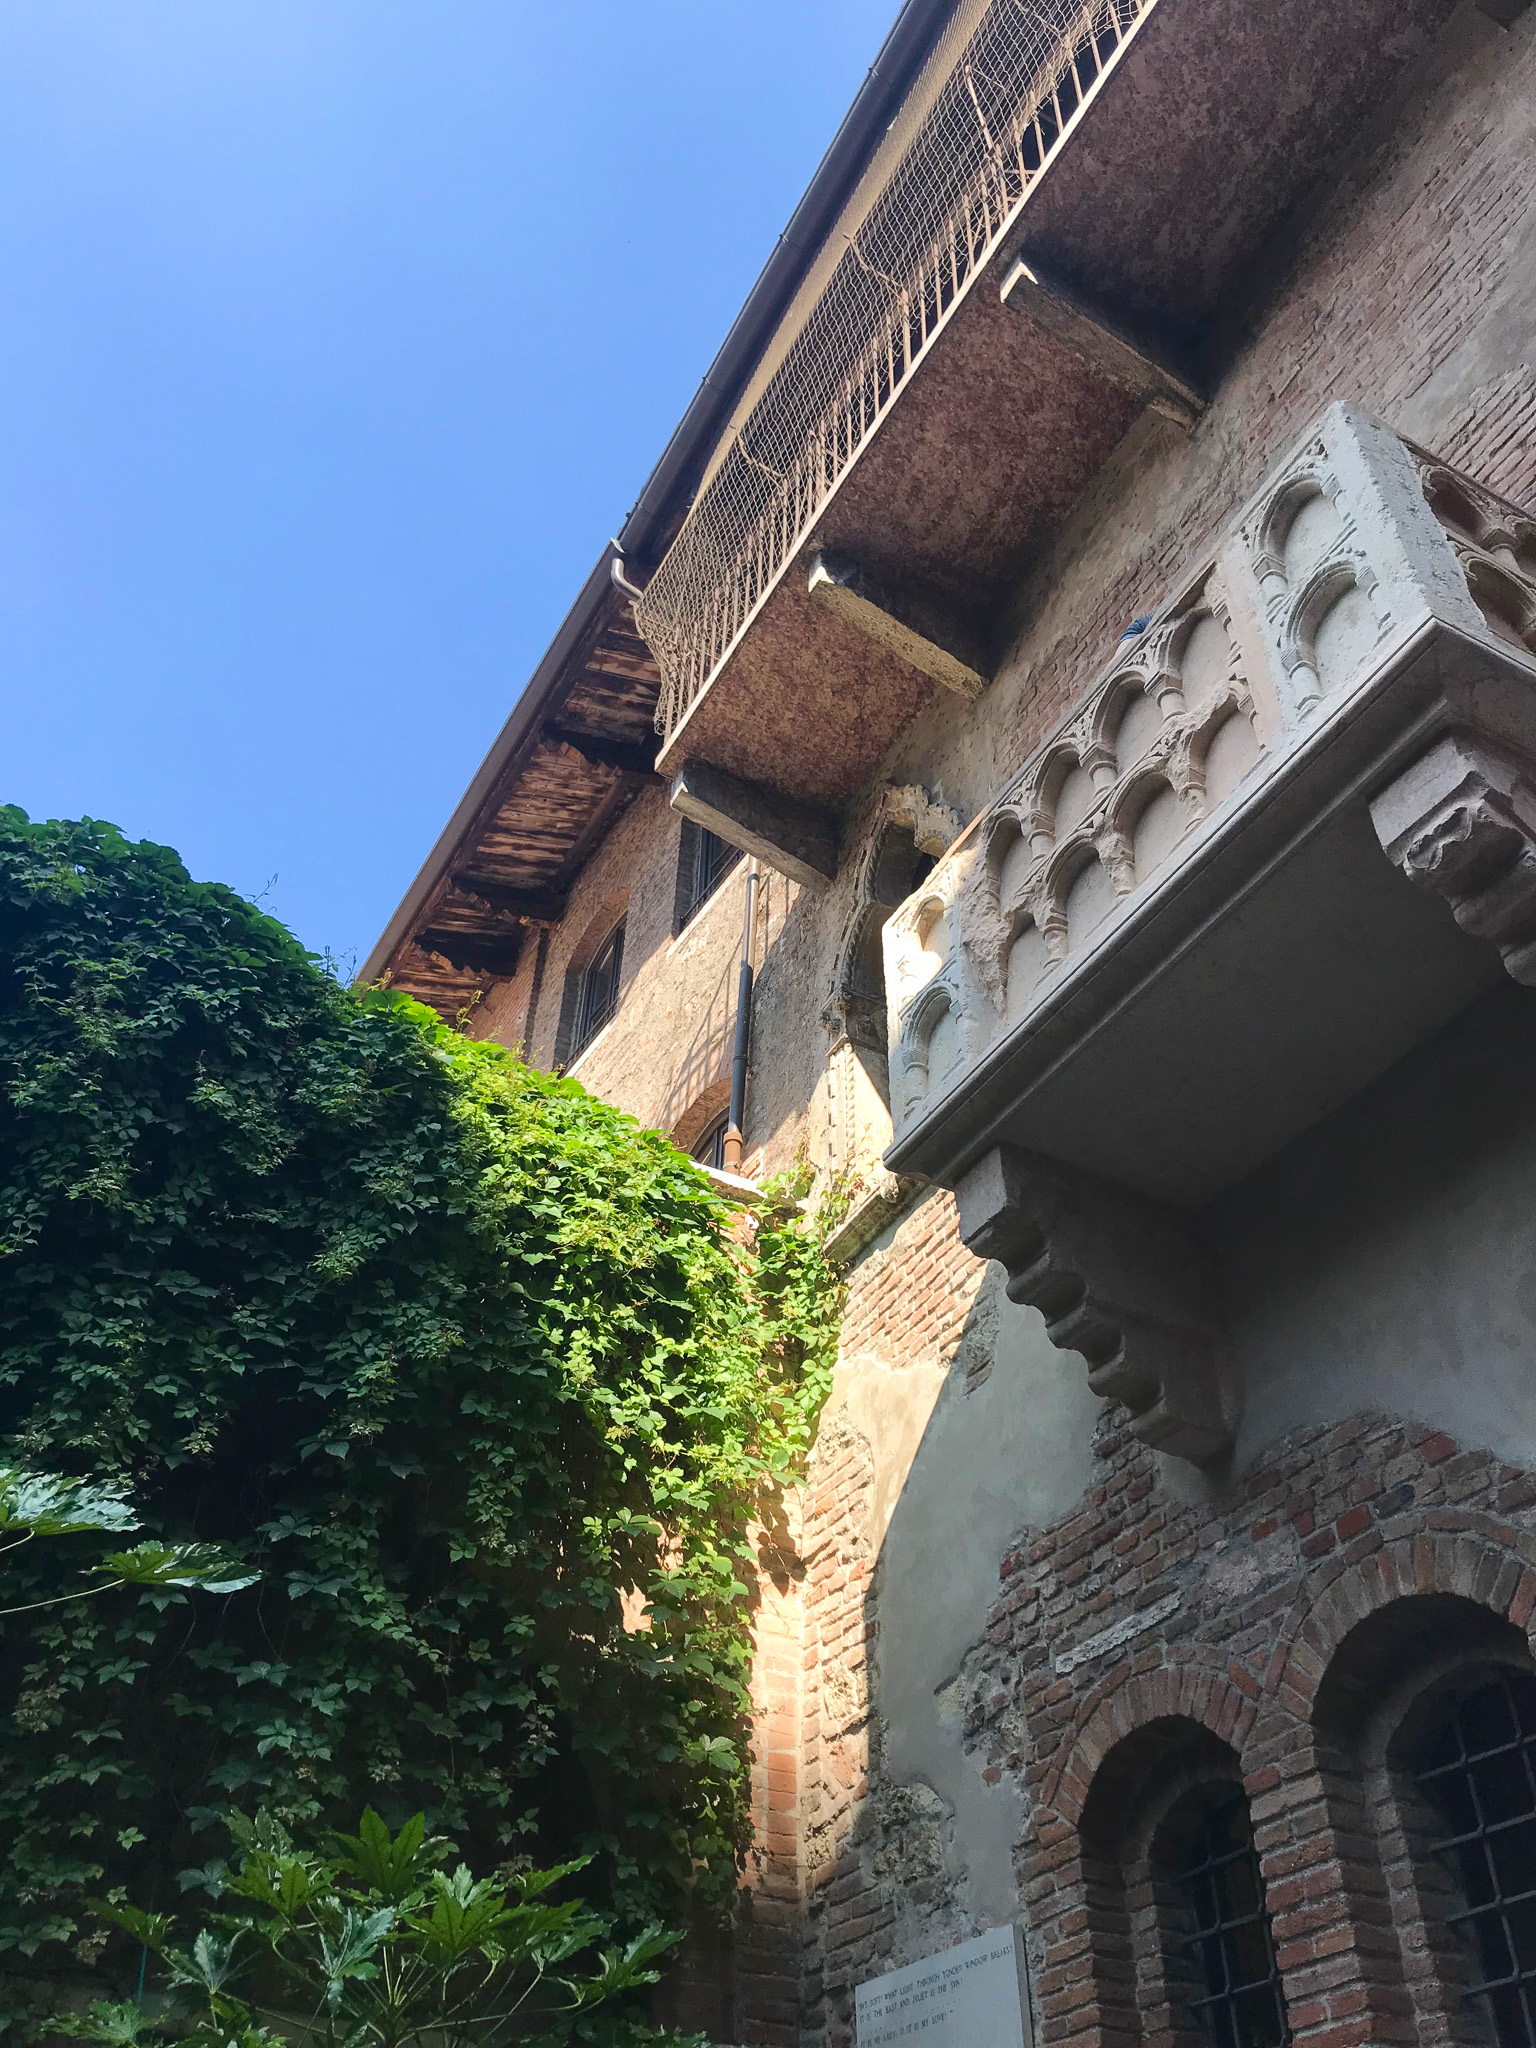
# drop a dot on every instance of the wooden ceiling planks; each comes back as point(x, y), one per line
point(553, 801)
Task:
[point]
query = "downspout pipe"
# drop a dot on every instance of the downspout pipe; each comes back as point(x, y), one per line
point(738, 1112)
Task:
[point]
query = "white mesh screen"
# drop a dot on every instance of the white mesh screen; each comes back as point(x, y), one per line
point(1010, 86)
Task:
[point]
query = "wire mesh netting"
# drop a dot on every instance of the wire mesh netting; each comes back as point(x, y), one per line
point(999, 92)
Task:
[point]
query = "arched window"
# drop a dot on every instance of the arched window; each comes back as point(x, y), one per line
point(1222, 1955)
point(1183, 1953)
point(1476, 1769)
point(1421, 1744)
point(703, 862)
point(593, 979)
point(709, 1147)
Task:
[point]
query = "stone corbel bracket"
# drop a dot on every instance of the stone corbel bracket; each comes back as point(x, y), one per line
point(907, 624)
point(1461, 822)
point(1118, 1281)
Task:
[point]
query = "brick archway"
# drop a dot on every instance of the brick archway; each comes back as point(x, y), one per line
point(1202, 1687)
point(1472, 1556)
point(1323, 1878)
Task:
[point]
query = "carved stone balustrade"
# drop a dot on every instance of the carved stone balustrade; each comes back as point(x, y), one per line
point(1287, 834)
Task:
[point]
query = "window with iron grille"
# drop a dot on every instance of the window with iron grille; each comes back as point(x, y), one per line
point(703, 863)
point(1228, 1952)
point(709, 1148)
point(1477, 1773)
point(599, 996)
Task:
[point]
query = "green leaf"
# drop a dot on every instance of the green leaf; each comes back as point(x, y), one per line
point(392, 1866)
point(349, 1953)
point(150, 1930)
point(284, 1884)
point(179, 1564)
point(50, 1506)
point(207, 1967)
point(119, 2026)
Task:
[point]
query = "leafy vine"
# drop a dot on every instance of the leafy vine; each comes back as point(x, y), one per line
point(468, 1368)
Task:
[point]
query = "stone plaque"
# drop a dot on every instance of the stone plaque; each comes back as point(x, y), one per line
point(966, 1997)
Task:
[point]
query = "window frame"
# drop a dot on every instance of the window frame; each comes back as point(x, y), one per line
point(704, 860)
point(712, 1137)
point(1206, 1857)
point(597, 1006)
point(1468, 1853)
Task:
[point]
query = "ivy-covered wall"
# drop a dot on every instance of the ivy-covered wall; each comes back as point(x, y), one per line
point(456, 1355)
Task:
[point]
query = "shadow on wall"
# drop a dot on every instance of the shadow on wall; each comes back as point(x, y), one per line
point(1383, 1261)
point(999, 1441)
point(703, 1067)
point(1385, 1258)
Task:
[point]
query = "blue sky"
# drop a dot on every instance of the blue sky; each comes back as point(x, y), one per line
point(336, 337)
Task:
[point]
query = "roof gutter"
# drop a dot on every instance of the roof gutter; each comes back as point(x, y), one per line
point(885, 85)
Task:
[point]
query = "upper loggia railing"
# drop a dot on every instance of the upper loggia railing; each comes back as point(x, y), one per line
point(998, 99)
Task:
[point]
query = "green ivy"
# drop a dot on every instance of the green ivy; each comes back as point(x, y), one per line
point(471, 1370)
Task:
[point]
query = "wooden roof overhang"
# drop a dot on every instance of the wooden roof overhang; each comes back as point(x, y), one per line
point(579, 746)
point(547, 791)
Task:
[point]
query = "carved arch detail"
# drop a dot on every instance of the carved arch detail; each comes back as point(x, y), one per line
point(856, 1005)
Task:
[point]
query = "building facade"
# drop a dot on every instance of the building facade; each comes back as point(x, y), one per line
point(1079, 654)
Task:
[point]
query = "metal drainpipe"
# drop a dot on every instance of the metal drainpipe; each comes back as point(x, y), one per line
point(733, 1129)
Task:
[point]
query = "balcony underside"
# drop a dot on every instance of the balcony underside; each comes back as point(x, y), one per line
point(1216, 119)
point(1271, 978)
point(977, 467)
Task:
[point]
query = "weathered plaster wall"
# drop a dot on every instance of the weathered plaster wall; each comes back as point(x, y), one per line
point(1003, 1449)
point(950, 1420)
point(1386, 1259)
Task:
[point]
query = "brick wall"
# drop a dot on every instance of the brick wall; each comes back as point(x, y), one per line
point(1248, 1601)
point(1340, 1523)
point(847, 1918)
point(766, 1977)
point(872, 1853)
point(908, 1303)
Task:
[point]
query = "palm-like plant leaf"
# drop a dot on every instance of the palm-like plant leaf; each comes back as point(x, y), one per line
point(178, 1564)
point(48, 1505)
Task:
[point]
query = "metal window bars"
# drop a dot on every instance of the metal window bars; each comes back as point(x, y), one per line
point(1479, 1775)
point(1008, 94)
point(710, 861)
point(1230, 1945)
point(599, 990)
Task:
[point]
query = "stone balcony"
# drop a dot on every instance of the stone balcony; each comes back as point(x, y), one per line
point(1286, 835)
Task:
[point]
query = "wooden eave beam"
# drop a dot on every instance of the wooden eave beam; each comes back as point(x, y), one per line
point(1140, 364)
point(636, 667)
point(628, 756)
point(787, 836)
point(528, 906)
point(493, 954)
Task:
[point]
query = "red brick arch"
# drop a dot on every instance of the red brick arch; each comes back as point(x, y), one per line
point(1474, 1556)
point(1200, 1686)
